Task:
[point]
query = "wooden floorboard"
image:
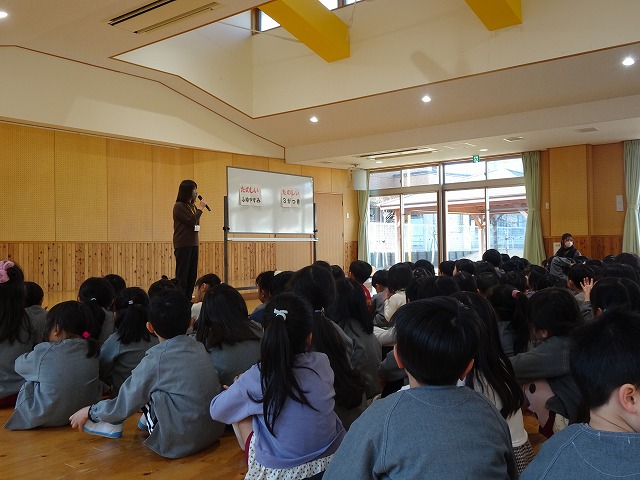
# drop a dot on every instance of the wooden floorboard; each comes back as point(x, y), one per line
point(64, 453)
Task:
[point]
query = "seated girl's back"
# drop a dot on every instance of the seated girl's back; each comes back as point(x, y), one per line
point(232, 340)
point(62, 374)
point(98, 294)
point(289, 396)
point(18, 331)
point(127, 346)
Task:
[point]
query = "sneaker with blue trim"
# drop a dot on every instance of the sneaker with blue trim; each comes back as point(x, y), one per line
point(104, 429)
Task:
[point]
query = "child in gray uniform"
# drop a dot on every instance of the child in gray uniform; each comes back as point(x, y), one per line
point(19, 332)
point(172, 385)
point(127, 346)
point(61, 374)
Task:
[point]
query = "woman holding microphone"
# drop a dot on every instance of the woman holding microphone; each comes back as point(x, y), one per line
point(186, 225)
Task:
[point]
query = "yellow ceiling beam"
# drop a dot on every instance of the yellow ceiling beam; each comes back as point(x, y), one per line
point(497, 14)
point(314, 25)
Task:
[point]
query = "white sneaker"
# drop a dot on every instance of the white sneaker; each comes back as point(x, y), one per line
point(142, 423)
point(104, 429)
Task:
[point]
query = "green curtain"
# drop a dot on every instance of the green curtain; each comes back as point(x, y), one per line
point(631, 234)
point(363, 224)
point(533, 244)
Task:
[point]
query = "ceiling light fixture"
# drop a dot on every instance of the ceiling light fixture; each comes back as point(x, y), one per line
point(426, 99)
point(313, 119)
point(4, 14)
point(627, 62)
point(378, 161)
point(484, 149)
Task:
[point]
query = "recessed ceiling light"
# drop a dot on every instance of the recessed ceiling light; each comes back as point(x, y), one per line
point(484, 149)
point(4, 14)
point(313, 119)
point(378, 161)
point(426, 99)
point(627, 62)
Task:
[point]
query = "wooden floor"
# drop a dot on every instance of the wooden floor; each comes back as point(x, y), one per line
point(64, 453)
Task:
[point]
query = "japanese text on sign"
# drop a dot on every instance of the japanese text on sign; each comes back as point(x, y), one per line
point(290, 197)
point(250, 195)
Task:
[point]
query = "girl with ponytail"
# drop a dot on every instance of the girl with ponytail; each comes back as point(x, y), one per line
point(61, 373)
point(282, 408)
point(127, 346)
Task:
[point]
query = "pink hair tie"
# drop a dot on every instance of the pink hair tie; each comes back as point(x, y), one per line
point(85, 335)
point(4, 266)
point(514, 293)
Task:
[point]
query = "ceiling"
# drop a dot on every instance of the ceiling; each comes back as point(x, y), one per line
point(584, 98)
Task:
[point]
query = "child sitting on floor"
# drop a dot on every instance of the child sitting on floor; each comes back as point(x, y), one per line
point(283, 407)
point(433, 429)
point(605, 362)
point(172, 385)
point(127, 346)
point(60, 374)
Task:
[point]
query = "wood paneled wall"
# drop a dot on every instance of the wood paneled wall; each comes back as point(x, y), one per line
point(82, 206)
point(579, 185)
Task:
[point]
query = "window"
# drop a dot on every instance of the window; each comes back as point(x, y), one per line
point(264, 22)
point(405, 226)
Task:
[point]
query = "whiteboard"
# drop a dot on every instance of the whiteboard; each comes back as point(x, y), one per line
point(268, 202)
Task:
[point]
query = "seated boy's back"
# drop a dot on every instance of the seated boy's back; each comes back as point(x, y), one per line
point(434, 429)
point(605, 362)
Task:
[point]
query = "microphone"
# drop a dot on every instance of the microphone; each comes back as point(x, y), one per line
point(206, 206)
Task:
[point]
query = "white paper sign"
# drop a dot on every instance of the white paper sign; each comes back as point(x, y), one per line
point(250, 195)
point(290, 197)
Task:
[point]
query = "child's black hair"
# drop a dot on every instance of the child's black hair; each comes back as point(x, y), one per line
point(132, 315)
point(224, 318)
point(466, 282)
point(117, 282)
point(264, 281)
point(13, 324)
point(515, 278)
point(465, 265)
point(493, 257)
point(486, 280)
point(98, 295)
point(399, 276)
point(483, 266)
point(621, 270)
point(605, 355)
point(555, 310)
point(170, 313)
point(317, 285)
point(436, 286)
point(76, 320)
point(510, 306)
point(210, 279)
point(630, 259)
point(33, 294)
point(446, 268)
point(578, 272)
point(426, 265)
point(350, 305)
point(337, 272)
point(280, 281)
point(360, 270)
point(436, 338)
point(535, 273)
point(160, 286)
point(549, 280)
point(492, 366)
point(288, 319)
point(611, 292)
point(380, 277)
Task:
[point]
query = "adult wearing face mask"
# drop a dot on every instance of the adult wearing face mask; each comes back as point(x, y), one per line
point(567, 250)
point(186, 225)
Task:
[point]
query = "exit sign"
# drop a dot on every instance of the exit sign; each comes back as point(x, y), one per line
point(476, 158)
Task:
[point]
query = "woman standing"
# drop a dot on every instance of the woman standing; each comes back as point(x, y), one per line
point(186, 225)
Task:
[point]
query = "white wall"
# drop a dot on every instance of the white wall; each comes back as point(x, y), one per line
point(45, 90)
